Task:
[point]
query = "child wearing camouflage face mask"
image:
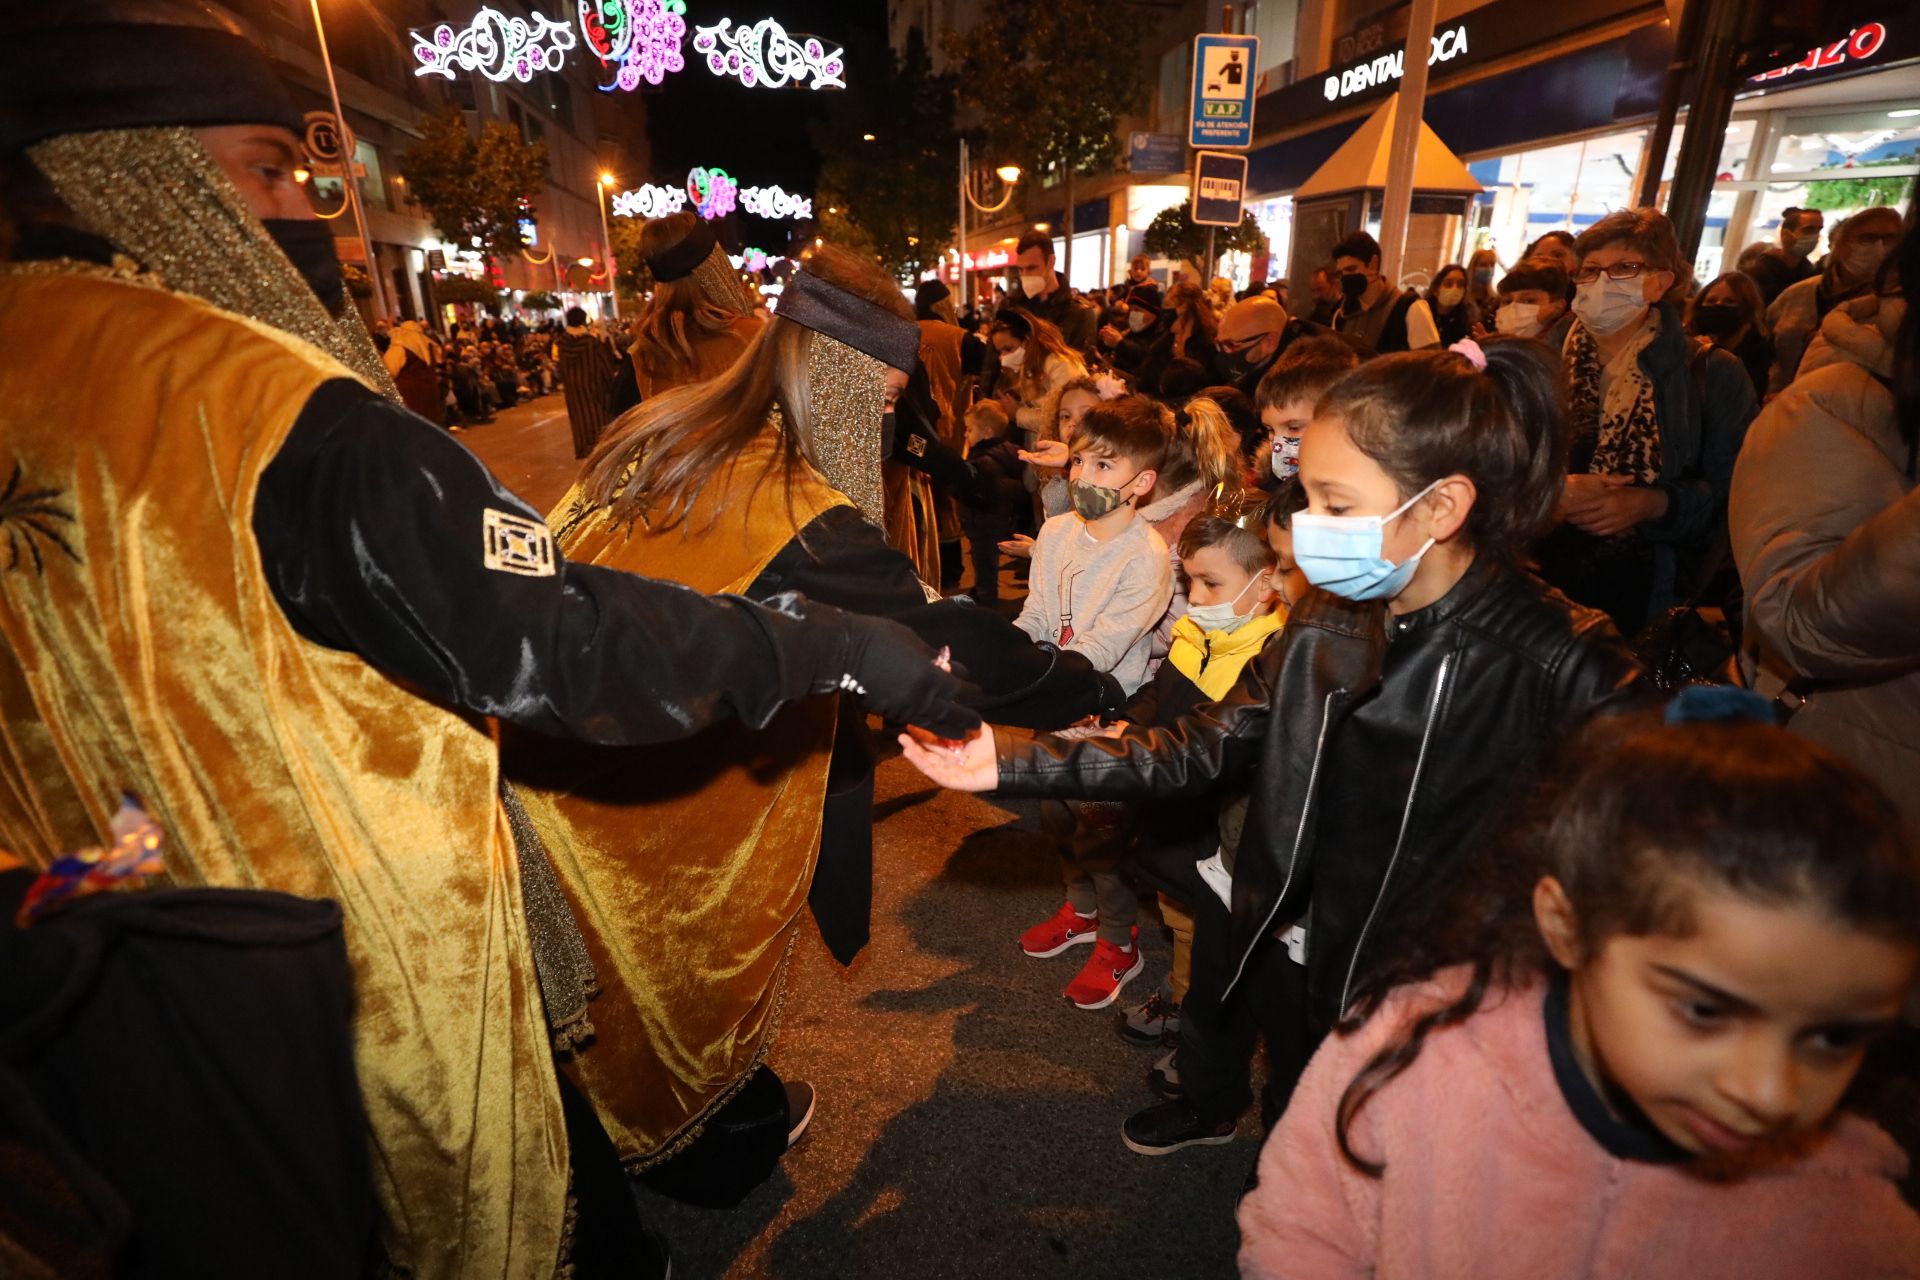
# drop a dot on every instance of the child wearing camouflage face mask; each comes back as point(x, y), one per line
point(1100, 581)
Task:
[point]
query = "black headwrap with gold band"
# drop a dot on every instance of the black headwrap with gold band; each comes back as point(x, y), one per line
point(84, 78)
point(865, 326)
point(677, 261)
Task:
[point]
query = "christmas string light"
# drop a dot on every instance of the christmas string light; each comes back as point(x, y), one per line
point(772, 202)
point(642, 38)
point(713, 192)
point(764, 55)
point(714, 195)
point(499, 47)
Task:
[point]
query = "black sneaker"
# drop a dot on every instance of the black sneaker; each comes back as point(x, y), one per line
point(1169, 1126)
point(800, 1099)
point(1163, 1077)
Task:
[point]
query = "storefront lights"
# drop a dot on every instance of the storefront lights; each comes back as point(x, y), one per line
point(1388, 67)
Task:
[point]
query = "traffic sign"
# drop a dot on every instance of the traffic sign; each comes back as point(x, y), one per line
point(1156, 153)
point(1221, 111)
point(1219, 189)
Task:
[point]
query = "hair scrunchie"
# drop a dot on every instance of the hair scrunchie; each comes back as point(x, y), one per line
point(1470, 349)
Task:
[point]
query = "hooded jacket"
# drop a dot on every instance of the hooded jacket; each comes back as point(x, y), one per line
point(1385, 746)
point(1825, 523)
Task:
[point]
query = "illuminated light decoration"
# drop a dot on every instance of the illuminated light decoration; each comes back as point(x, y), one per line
point(751, 259)
point(1860, 44)
point(649, 201)
point(497, 46)
point(772, 202)
point(765, 56)
point(713, 192)
point(1388, 67)
point(642, 38)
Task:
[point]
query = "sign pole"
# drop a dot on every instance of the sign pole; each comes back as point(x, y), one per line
point(347, 178)
point(1208, 282)
point(1411, 106)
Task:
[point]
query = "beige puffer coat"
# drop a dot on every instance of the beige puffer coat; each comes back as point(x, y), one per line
point(1825, 519)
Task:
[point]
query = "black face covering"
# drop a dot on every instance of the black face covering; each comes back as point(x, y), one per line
point(309, 245)
point(1353, 286)
point(1716, 320)
point(887, 434)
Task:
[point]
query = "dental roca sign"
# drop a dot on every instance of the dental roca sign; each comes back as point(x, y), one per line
point(1388, 67)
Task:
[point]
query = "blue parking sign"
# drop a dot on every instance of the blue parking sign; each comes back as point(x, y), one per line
point(1223, 84)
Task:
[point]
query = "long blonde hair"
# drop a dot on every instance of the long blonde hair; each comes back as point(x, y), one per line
point(1041, 340)
point(681, 311)
point(655, 460)
point(1205, 448)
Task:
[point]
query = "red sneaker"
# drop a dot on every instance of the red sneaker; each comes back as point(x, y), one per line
point(1064, 928)
point(1107, 970)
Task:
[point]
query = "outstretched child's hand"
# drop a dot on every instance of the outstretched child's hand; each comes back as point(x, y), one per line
point(1048, 453)
point(972, 766)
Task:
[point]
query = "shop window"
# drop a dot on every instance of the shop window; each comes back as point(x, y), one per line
point(1567, 187)
point(1840, 163)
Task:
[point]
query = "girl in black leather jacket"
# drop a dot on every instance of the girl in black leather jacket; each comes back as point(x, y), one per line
point(1400, 713)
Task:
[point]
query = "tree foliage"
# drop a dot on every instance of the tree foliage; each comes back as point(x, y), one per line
point(896, 196)
point(475, 188)
point(1174, 234)
point(1051, 79)
point(1864, 191)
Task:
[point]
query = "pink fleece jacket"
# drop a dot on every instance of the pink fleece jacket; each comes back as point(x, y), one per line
point(1489, 1176)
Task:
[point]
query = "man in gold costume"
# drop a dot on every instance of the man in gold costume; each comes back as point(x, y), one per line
point(240, 581)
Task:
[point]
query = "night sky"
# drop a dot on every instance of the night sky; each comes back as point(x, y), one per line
point(759, 136)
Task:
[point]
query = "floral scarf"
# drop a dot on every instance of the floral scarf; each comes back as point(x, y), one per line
point(1619, 425)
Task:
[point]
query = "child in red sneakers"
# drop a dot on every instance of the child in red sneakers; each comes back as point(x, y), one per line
point(1100, 581)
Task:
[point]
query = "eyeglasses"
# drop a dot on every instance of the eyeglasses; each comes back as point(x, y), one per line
point(1234, 346)
point(1618, 271)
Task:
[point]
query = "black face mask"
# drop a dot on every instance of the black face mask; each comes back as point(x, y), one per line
point(308, 244)
point(887, 434)
point(1352, 286)
point(1716, 321)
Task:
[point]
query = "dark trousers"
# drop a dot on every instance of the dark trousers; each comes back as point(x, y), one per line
point(983, 547)
point(1217, 1038)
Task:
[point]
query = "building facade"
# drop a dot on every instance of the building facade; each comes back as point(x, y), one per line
point(586, 131)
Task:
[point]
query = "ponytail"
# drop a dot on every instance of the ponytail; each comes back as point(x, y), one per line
point(1205, 448)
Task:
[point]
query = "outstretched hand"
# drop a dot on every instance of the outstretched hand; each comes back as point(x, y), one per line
point(971, 766)
point(1048, 453)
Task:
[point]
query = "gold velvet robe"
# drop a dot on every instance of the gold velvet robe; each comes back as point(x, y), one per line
point(687, 865)
point(141, 650)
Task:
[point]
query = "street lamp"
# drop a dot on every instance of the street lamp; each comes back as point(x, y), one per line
point(1009, 175)
point(600, 189)
point(347, 149)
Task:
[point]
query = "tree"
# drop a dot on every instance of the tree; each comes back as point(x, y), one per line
point(1174, 234)
point(1051, 79)
point(896, 195)
point(1864, 191)
point(475, 188)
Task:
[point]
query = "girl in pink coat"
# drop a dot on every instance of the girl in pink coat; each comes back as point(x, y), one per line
point(1634, 1070)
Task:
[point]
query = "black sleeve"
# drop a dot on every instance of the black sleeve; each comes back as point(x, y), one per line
point(840, 559)
point(382, 536)
point(623, 393)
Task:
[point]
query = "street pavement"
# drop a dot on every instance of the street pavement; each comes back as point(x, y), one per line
point(969, 1117)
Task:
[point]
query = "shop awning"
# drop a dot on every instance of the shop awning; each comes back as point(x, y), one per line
point(1360, 163)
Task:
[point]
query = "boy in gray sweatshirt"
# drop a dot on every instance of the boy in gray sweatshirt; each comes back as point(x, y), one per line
point(1101, 579)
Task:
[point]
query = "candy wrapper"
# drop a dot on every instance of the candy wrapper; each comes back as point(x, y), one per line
point(133, 856)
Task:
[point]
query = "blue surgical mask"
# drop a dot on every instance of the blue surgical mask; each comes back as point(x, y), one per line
point(1341, 554)
point(1223, 616)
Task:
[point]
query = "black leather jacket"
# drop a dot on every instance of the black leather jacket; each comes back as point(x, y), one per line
point(1385, 747)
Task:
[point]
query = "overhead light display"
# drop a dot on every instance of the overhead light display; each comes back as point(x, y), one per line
point(763, 55)
point(638, 39)
point(497, 46)
point(714, 195)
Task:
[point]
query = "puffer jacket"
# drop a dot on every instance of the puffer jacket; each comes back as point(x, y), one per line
point(1385, 746)
point(1795, 319)
point(1825, 520)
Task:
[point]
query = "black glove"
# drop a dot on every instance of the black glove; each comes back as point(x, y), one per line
point(893, 674)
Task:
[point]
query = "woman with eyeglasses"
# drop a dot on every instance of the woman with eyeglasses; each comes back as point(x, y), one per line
point(1855, 250)
point(1656, 419)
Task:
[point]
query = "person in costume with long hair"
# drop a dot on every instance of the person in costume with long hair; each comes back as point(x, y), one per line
point(698, 321)
point(689, 871)
point(248, 586)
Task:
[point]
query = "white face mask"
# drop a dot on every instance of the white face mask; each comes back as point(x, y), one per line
point(1032, 286)
point(1607, 306)
point(1518, 320)
point(1013, 359)
point(1863, 260)
point(1802, 246)
point(1450, 296)
point(1138, 320)
point(1223, 616)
